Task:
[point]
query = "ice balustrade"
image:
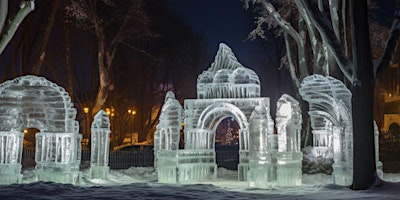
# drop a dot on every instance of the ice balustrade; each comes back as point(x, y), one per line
point(289, 156)
point(330, 111)
point(35, 102)
point(100, 134)
point(10, 157)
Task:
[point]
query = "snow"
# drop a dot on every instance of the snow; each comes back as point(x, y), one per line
point(141, 183)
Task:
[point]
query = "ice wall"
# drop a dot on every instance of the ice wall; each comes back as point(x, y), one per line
point(289, 156)
point(100, 144)
point(331, 121)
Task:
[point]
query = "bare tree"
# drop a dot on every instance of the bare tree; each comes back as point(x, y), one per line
point(113, 23)
point(338, 34)
point(6, 34)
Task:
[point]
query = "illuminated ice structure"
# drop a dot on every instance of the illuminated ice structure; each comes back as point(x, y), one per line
point(331, 120)
point(34, 102)
point(226, 89)
point(289, 156)
point(100, 145)
point(166, 139)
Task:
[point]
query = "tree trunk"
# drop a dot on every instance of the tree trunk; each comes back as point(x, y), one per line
point(364, 173)
point(43, 45)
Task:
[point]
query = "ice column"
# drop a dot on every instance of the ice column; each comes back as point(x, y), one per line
point(379, 165)
point(100, 145)
point(10, 156)
point(166, 139)
point(330, 112)
point(289, 156)
point(262, 149)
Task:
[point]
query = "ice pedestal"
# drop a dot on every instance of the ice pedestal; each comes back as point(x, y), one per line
point(10, 157)
point(58, 156)
point(100, 145)
point(289, 171)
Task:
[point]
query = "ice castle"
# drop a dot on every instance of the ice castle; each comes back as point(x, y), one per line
point(226, 89)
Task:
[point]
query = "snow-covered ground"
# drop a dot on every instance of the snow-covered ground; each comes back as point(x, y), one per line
point(141, 183)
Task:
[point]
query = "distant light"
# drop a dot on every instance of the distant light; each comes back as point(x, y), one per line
point(26, 131)
point(86, 110)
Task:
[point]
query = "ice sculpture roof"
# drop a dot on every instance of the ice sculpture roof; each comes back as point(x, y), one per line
point(227, 78)
point(101, 120)
point(30, 101)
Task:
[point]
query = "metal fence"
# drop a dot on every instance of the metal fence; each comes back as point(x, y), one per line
point(141, 157)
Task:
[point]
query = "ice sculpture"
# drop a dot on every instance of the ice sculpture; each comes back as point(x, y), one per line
point(100, 145)
point(331, 121)
point(262, 149)
point(166, 139)
point(226, 89)
point(379, 165)
point(34, 102)
point(289, 156)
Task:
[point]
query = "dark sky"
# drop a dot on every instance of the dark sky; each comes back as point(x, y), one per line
point(227, 21)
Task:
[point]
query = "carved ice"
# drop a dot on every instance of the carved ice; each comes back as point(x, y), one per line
point(331, 121)
point(34, 102)
point(100, 145)
point(289, 156)
point(379, 165)
point(166, 139)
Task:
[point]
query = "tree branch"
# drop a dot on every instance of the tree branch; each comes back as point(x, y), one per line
point(324, 27)
point(3, 13)
point(24, 10)
point(391, 42)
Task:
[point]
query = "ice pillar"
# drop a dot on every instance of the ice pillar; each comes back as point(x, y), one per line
point(10, 156)
point(289, 156)
point(100, 145)
point(379, 165)
point(262, 149)
point(166, 139)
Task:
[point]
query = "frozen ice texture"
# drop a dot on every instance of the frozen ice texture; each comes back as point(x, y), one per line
point(10, 157)
point(225, 89)
point(100, 144)
point(331, 120)
point(35, 102)
point(166, 139)
point(289, 156)
point(262, 150)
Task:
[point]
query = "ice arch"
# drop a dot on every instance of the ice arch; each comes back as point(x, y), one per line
point(35, 102)
point(214, 113)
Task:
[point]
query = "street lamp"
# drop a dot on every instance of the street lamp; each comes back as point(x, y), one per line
point(131, 114)
point(86, 111)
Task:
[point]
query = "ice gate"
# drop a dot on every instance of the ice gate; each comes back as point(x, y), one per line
point(225, 89)
point(35, 102)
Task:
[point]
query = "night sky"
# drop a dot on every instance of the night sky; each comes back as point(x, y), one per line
point(227, 21)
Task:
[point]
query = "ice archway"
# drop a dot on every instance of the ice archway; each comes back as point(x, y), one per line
point(35, 102)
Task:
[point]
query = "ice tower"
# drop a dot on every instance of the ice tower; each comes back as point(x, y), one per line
point(166, 139)
point(331, 121)
point(34, 102)
point(262, 149)
point(100, 143)
point(289, 156)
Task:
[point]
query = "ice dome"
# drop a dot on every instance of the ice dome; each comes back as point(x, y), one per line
point(227, 78)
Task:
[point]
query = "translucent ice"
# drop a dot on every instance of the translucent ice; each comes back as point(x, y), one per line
point(331, 121)
point(379, 165)
point(35, 102)
point(262, 149)
point(100, 145)
point(289, 156)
